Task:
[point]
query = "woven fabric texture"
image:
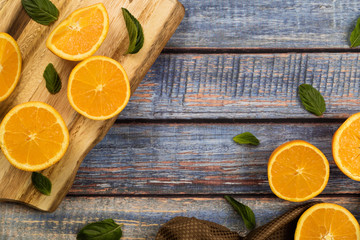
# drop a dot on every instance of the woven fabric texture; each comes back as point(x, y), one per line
point(183, 228)
point(281, 228)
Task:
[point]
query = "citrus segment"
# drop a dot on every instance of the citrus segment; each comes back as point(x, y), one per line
point(346, 147)
point(10, 65)
point(327, 221)
point(297, 171)
point(33, 136)
point(81, 34)
point(98, 88)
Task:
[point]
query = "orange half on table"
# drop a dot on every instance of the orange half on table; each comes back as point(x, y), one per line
point(346, 147)
point(81, 34)
point(10, 65)
point(327, 221)
point(98, 88)
point(33, 136)
point(297, 171)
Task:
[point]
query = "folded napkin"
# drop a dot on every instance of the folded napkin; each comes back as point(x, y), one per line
point(183, 228)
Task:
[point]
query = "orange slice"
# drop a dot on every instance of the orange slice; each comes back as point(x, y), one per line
point(33, 136)
point(10, 65)
point(80, 34)
point(327, 221)
point(346, 147)
point(98, 88)
point(297, 171)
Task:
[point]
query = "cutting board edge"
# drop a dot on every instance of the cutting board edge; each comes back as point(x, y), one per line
point(178, 12)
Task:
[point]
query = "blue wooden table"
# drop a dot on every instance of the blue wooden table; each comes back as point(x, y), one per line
point(232, 66)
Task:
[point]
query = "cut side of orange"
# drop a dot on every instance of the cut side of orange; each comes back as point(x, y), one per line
point(346, 147)
point(327, 221)
point(10, 65)
point(80, 34)
point(98, 88)
point(33, 136)
point(297, 171)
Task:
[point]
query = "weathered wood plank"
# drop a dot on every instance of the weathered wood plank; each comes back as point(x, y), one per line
point(195, 159)
point(245, 86)
point(267, 24)
point(141, 217)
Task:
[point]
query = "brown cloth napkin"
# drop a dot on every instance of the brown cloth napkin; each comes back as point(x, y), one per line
point(183, 228)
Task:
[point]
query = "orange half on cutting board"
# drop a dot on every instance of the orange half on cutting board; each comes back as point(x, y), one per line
point(327, 221)
point(33, 136)
point(346, 147)
point(297, 171)
point(10, 65)
point(80, 34)
point(98, 88)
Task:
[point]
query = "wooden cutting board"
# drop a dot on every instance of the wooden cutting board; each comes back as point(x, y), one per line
point(159, 19)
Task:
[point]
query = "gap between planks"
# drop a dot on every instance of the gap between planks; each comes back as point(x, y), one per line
point(318, 120)
point(205, 50)
point(214, 195)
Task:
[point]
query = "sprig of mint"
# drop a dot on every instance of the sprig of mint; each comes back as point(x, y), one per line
point(136, 35)
point(52, 78)
point(246, 138)
point(312, 99)
point(245, 212)
point(41, 183)
point(103, 230)
point(355, 35)
point(41, 11)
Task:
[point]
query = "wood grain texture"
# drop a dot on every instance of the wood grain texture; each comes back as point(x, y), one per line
point(267, 24)
point(264, 24)
point(141, 217)
point(202, 159)
point(159, 20)
point(249, 86)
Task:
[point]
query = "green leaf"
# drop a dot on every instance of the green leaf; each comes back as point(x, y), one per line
point(41, 11)
point(246, 213)
point(312, 99)
point(136, 35)
point(246, 138)
point(103, 230)
point(53, 81)
point(41, 183)
point(355, 35)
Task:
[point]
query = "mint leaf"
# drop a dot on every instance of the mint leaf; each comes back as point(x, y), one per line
point(312, 100)
point(246, 138)
point(245, 212)
point(41, 11)
point(41, 183)
point(136, 35)
point(53, 82)
point(355, 35)
point(103, 230)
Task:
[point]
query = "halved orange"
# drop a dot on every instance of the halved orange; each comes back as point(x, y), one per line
point(346, 147)
point(297, 171)
point(10, 65)
point(33, 136)
point(327, 221)
point(80, 34)
point(98, 88)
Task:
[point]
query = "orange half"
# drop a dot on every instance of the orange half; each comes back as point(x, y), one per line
point(297, 171)
point(98, 88)
point(33, 136)
point(327, 221)
point(80, 34)
point(346, 147)
point(10, 65)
